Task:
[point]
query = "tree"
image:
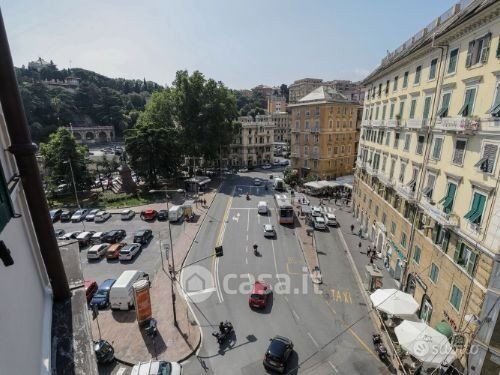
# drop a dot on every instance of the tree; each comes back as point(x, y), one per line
point(153, 143)
point(57, 153)
point(284, 91)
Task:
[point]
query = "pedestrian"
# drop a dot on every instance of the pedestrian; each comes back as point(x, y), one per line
point(371, 260)
point(369, 251)
point(360, 245)
point(360, 232)
point(352, 228)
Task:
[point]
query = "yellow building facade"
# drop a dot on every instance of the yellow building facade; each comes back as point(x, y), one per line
point(324, 134)
point(428, 172)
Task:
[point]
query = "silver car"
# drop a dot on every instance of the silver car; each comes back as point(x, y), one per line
point(128, 252)
point(91, 215)
point(269, 231)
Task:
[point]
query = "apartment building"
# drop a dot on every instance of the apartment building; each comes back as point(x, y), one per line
point(282, 129)
point(276, 104)
point(324, 134)
point(301, 87)
point(254, 144)
point(427, 175)
point(354, 91)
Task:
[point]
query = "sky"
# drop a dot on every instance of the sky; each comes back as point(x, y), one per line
point(241, 43)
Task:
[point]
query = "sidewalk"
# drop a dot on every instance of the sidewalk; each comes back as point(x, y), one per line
point(171, 343)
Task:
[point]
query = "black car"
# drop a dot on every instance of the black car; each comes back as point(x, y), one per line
point(143, 236)
point(66, 215)
point(277, 353)
point(162, 215)
point(104, 352)
point(114, 236)
point(55, 214)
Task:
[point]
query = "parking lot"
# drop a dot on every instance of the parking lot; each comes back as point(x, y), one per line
point(147, 260)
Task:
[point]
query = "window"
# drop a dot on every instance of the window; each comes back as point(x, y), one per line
point(384, 107)
point(402, 172)
point(377, 112)
point(407, 141)
point(427, 107)
point(376, 211)
point(434, 273)
point(436, 149)
point(384, 163)
point(391, 112)
point(445, 103)
point(418, 71)
point(448, 200)
point(396, 140)
point(468, 106)
point(487, 162)
point(395, 86)
point(452, 63)
point(495, 108)
point(429, 187)
point(405, 80)
point(393, 228)
point(465, 257)
point(388, 139)
point(420, 145)
point(387, 87)
point(403, 239)
point(401, 108)
point(458, 154)
point(416, 254)
point(476, 211)
point(379, 89)
point(456, 297)
point(393, 166)
point(478, 51)
point(307, 124)
point(413, 106)
point(432, 69)
point(384, 217)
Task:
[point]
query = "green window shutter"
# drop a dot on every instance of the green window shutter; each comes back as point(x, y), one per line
point(401, 109)
point(456, 256)
point(427, 107)
point(485, 51)
point(446, 241)
point(477, 215)
point(450, 196)
point(473, 209)
point(472, 263)
point(435, 232)
point(468, 60)
point(391, 112)
point(432, 70)
point(453, 61)
point(412, 108)
point(443, 111)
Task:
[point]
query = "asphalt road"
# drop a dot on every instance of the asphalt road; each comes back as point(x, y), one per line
point(316, 320)
point(148, 260)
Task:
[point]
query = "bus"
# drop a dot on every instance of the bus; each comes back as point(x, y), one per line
point(284, 209)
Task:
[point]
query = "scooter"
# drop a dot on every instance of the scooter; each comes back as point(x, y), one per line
point(255, 250)
point(379, 347)
point(224, 332)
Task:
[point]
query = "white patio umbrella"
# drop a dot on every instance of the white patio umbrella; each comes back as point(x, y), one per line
point(425, 343)
point(394, 302)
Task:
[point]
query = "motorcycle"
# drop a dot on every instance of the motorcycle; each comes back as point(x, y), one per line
point(248, 197)
point(255, 250)
point(225, 330)
point(379, 347)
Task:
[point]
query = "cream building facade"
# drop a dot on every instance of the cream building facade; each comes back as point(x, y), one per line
point(324, 134)
point(282, 128)
point(254, 144)
point(428, 173)
point(276, 104)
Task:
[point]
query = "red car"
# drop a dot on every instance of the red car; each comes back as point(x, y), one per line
point(149, 214)
point(90, 289)
point(260, 294)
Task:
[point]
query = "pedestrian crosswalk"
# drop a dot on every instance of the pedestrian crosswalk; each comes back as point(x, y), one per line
point(327, 209)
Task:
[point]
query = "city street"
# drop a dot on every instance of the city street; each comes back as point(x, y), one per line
point(317, 320)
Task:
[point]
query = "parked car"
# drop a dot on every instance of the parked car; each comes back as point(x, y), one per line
point(79, 215)
point(162, 215)
point(277, 353)
point(114, 236)
point(331, 219)
point(84, 238)
point(269, 231)
point(266, 166)
point(157, 368)
point(101, 297)
point(66, 215)
point(316, 211)
point(129, 251)
point(70, 235)
point(104, 352)
point(97, 251)
point(90, 289)
point(59, 232)
point(319, 223)
point(91, 215)
point(102, 216)
point(243, 170)
point(55, 214)
point(97, 238)
point(257, 182)
point(260, 294)
point(143, 236)
point(113, 251)
point(127, 214)
point(149, 214)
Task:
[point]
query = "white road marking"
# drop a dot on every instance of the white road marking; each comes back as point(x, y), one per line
point(243, 208)
point(236, 218)
point(219, 291)
point(203, 291)
point(246, 260)
point(295, 315)
point(121, 371)
point(333, 366)
point(246, 248)
point(248, 220)
point(312, 339)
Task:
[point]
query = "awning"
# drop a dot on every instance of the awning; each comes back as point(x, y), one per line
point(394, 302)
point(445, 329)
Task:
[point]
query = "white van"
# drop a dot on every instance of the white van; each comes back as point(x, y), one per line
point(262, 207)
point(279, 184)
point(175, 213)
point(121, 295)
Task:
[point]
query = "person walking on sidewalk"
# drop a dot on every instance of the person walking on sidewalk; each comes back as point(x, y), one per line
point(352, 228)
point(369, 251)
point(360, 233)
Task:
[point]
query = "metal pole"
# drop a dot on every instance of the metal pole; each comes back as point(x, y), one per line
point(74, 184)
point(172, 273)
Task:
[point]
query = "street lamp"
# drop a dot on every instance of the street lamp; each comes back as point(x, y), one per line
point(172, 269)
point(73, 180)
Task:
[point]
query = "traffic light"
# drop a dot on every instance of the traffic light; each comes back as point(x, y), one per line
point(218, 251)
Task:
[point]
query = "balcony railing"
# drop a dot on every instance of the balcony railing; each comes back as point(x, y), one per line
point(415, 123)
point(377, 123)
point(370, 170)
point(458, 124)
point(393, 123)
point(315, 130)
point(405, 191)
point(385, 179)
point(359, 164)
point(366, 123)
point(434, 211)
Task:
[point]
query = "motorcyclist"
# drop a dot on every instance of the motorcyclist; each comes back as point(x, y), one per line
point(248, 196)
point(222, 327)
point(255, 251)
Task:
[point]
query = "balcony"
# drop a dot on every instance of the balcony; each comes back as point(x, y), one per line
point(393, 123)
point(315, 130)
point(406, 192)
point(366, 123)
point(370, 170)
point(385, 179)
point(416, 123)
point(458, 124)
point(434, 211)
point(377, 123)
